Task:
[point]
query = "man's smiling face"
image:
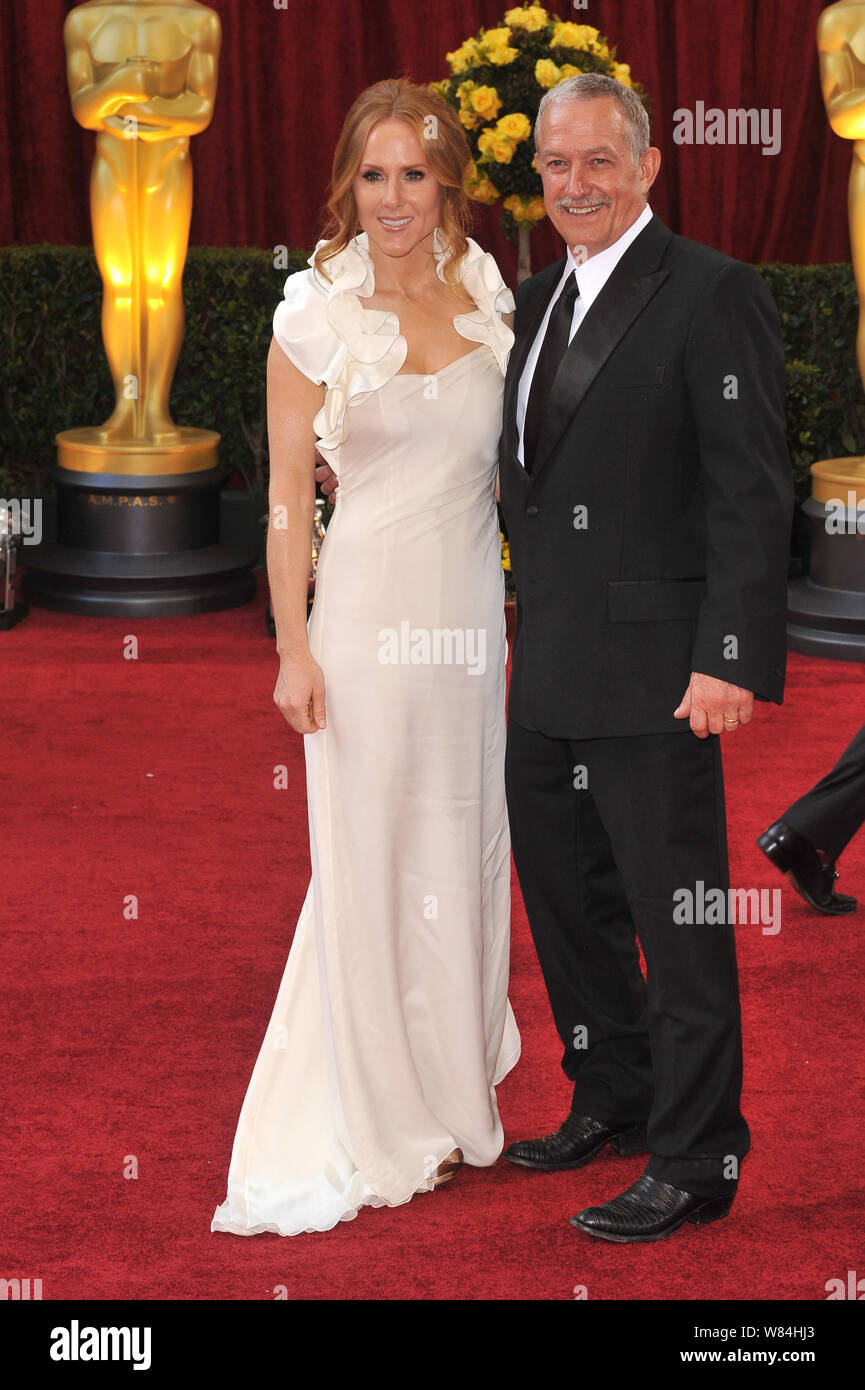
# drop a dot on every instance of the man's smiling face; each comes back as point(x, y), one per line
point(593, 192)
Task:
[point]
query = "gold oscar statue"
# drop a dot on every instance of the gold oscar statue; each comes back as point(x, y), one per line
point(841, 46)
point(138, 498)
point(142, 74)
point(826, 604)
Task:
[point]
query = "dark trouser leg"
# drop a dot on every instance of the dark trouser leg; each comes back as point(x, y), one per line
point(830, 814)
point(582, 928)
point(661, 800)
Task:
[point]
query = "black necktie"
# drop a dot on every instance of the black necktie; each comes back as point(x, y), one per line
point(552, 351)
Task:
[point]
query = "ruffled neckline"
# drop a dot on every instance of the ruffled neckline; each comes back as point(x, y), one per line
point(373, 335)
point(371, 347)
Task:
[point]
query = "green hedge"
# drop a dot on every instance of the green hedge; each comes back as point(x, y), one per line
point(53, 373)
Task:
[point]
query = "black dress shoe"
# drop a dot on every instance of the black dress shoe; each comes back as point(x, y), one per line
point(798, 859)
point(650, 1210)
point(575, 1143)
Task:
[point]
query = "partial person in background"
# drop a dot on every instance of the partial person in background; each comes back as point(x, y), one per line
point(809, 839)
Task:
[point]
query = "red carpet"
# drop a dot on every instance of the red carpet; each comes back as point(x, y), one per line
point(129, 1043)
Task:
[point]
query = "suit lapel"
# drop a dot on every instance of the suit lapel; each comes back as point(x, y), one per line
point(543, 285)
point(632, 284)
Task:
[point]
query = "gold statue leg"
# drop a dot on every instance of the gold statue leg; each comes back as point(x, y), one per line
point(856, 203)
point(167, 205)
point(112, 216)
point(141, 204)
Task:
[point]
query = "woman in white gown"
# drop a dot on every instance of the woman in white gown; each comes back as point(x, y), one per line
point(392, 1024)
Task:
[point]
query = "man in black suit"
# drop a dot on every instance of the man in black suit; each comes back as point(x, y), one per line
point(646, 488)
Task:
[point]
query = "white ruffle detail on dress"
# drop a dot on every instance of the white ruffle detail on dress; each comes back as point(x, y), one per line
point(328, 334)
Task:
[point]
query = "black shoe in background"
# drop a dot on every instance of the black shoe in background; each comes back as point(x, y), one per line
point(798, 859)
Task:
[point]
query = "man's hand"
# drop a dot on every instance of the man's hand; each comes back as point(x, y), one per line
point(715, 706)
point(325, 475)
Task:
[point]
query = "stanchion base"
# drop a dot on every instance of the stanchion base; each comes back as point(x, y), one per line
point(10, 616)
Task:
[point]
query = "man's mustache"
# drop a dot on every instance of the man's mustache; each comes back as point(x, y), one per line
point(582, 203)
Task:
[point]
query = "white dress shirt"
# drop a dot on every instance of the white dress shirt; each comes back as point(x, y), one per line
point(592, 275)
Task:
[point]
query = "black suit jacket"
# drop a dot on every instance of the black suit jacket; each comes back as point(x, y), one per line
point(679, 561)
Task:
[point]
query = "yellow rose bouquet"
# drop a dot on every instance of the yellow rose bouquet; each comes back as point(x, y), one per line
point(496, 83)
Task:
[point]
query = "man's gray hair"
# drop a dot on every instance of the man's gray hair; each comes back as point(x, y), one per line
point(588, 85)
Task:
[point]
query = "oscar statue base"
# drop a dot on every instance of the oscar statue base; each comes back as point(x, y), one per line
point(826, 611)
point(137, 543)
point(186, 450)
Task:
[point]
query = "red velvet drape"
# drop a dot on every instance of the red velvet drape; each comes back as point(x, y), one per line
point(287, 76)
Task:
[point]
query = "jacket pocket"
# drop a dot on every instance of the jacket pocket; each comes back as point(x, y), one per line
point(642, 377)
point(653, 600)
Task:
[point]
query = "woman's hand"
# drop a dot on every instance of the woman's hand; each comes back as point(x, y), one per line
point(299, 694)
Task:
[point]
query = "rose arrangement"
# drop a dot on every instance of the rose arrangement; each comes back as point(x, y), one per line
point(497, 81)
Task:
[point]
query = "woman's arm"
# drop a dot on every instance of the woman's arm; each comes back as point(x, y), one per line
point(293, 401)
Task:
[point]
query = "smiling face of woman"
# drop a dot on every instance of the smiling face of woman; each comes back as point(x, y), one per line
point(397, 197)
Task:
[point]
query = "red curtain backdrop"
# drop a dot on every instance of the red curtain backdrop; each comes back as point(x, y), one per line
point(288, 75)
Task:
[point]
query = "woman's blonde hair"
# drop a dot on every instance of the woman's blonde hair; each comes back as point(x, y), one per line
point(447, 153)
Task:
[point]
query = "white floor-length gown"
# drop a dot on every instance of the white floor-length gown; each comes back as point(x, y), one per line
point(392, 1024)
